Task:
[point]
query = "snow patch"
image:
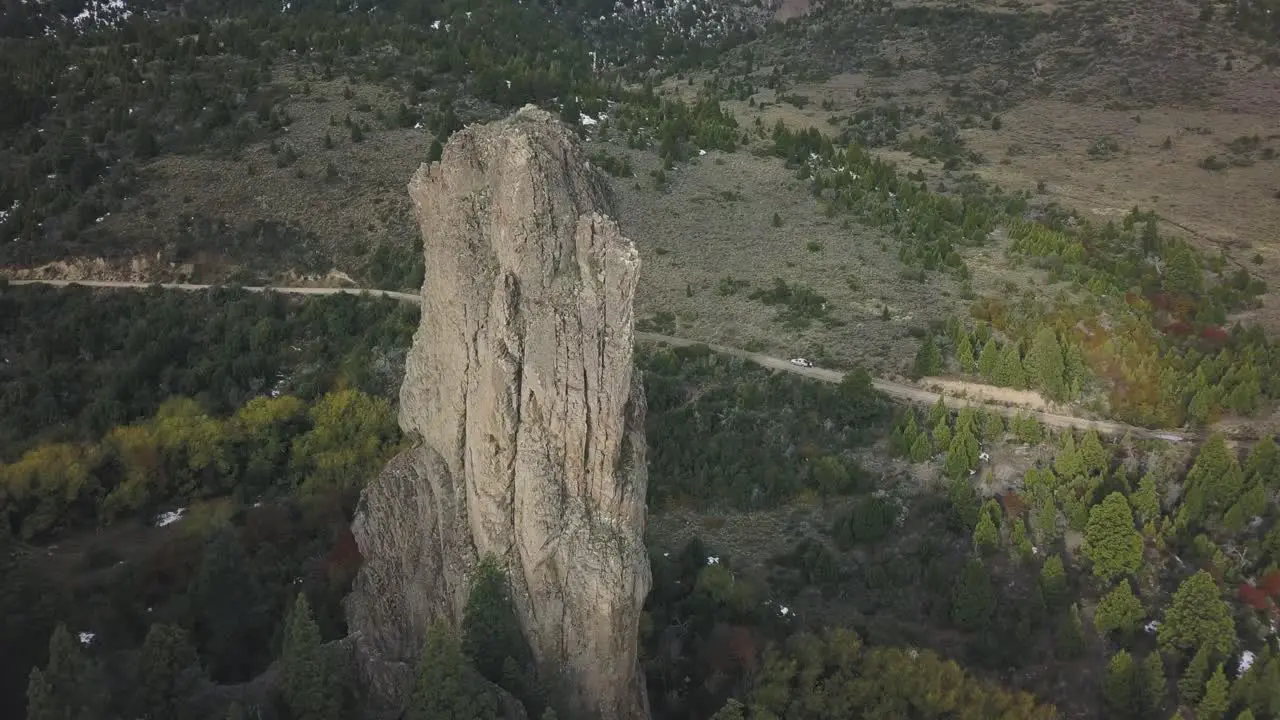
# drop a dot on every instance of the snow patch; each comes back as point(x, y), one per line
point(168, 518)
point(586, 119)
point(1246, 662)
point(86, 638)
point(713, 560)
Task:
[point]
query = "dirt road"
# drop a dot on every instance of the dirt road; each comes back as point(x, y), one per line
point(897, 391)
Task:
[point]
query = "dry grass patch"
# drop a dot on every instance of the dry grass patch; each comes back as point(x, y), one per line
point(710, 241)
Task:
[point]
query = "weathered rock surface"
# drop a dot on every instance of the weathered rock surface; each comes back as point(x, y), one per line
point(529, 421)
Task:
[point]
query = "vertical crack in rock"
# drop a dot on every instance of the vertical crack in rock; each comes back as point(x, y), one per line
point(528, 423)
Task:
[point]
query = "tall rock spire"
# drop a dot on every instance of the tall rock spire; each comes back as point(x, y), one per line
point(528, 421)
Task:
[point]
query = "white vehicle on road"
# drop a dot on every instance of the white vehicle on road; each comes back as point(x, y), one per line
point(801, 362)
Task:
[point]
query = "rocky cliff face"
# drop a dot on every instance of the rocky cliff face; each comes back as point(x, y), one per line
point(529, 419)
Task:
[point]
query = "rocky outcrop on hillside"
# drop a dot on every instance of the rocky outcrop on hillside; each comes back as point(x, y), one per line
point(528, 422)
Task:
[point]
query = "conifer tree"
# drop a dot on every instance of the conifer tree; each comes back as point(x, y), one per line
point(962, 453)
point(1117, 685)
point(1110, 539)
point(1067, 462)
point(992, 426)
point(941, 436)
point(1198, 618)
point(921, 449)
point(1151, 683)
point(964, 354)
point(490, 629)
point(986, 536)
point(1045, 364)
point(308, 680)
point(1028, 430)
point(71, 685)
point(447, 686)
point(1021, 544)
point(1093, 455)
point(1009, 371)
point(168, 674)
point(1191, 682)
point(938, 413)
point(1070, 634)
point(1215, 480)
point(1120, 610)
point(988, 359)
point(1263, 463)
point(964, 504)
point(1146, 501)
point(1053, 581)
point(973, 602)
point(1214, 703)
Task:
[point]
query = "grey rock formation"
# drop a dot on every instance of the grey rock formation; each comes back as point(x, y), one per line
point(528, 420)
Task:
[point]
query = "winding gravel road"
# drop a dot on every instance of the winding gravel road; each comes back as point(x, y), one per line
point(898, 391)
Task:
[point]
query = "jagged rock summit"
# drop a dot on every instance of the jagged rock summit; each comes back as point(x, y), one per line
point(528, 422)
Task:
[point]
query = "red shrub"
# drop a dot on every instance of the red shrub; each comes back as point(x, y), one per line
point(1013, 503)
point(1253, 597)
point(1270, 584)
point(1214, 333)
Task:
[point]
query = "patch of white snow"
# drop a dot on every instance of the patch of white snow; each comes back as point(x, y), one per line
point(168, 518)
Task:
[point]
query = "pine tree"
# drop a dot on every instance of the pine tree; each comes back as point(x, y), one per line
point(1182, 272)
point(1151, 684)
point(1070, 634)
point(974, 601)
point(921, 449)
point(1009, 372)
point(435, 152)
point(988, 359)
point(70, 687)
point(986, 536)
point(1198, 618)
point(1021, 544)
point(1263, 463)
point(1252, 504)
point(1120, 610)
point(447, 687)
point(1146, 501)
point(1213, 705)
point(928, 359)
point(1093, 455)
point(962, 453)
point(938, 413)
point(1117, 685)
point(1215, 480)
point(1045, 364)
point(1028, 430)
point(964, 354)
point(1191, 683)
point(228, 601)
point(1067, 462)
point(992, 426)
point(1044, 519)
point(941, 436)
point(1110, 539)
point(1053, 582)
point(490, 629)
point(308, 681)
point(168, 674)
point(964, 504)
